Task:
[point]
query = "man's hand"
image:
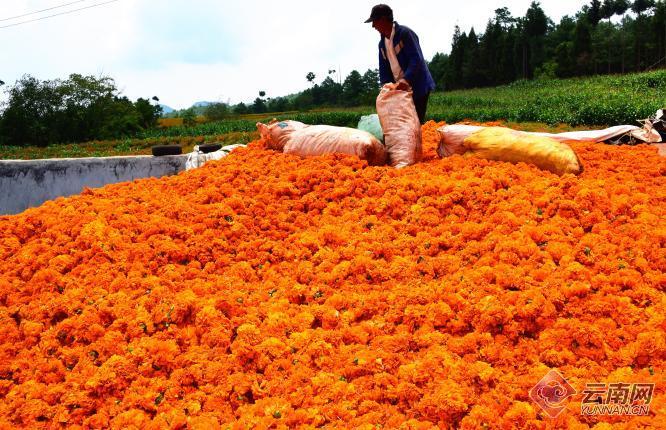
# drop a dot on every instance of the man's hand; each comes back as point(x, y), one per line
point(403, 85)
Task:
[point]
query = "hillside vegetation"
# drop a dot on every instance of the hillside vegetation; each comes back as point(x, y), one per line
point(556, 104)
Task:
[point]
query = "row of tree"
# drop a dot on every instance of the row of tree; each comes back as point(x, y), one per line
point(602, 38)
point(355, 90)
point(83, 108)
point(78, 109)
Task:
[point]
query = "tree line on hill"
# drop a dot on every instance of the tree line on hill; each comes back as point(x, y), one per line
point(602, 38)
point(356, 90)
point(78, 109)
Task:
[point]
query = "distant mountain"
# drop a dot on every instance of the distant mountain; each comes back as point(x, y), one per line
point(166, 109)
point(199, 109)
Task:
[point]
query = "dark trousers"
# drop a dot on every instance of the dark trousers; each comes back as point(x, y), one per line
point(421, 104)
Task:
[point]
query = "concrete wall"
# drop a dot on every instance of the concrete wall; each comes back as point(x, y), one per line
point(29, 183)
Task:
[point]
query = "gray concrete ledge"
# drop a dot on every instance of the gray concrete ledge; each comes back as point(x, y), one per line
point(29, 183)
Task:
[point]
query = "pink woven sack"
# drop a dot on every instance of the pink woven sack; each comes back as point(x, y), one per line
point(401, 126)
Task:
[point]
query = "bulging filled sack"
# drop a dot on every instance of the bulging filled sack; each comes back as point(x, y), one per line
point(400, 124)
point(276, 134)
point(311, 140)
point(504, 144)
point(452, 138)
point(371, 124)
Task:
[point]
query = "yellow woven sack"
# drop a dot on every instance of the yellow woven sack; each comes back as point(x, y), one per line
point(504, 144)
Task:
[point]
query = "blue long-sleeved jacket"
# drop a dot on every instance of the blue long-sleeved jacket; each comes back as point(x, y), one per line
point(410, 57)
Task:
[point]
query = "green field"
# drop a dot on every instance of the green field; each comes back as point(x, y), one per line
point(601, 100)
point(559, 104)
point(342, 118)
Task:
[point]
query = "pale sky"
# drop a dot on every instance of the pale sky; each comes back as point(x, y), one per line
point(184, 51)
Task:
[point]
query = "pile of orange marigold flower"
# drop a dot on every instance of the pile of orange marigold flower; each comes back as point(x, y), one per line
point(266, 290)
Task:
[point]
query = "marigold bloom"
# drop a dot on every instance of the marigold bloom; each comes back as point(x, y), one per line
point(266, 290)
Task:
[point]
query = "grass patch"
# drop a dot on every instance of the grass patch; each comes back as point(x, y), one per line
point(109, 148)
point(599, 100)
